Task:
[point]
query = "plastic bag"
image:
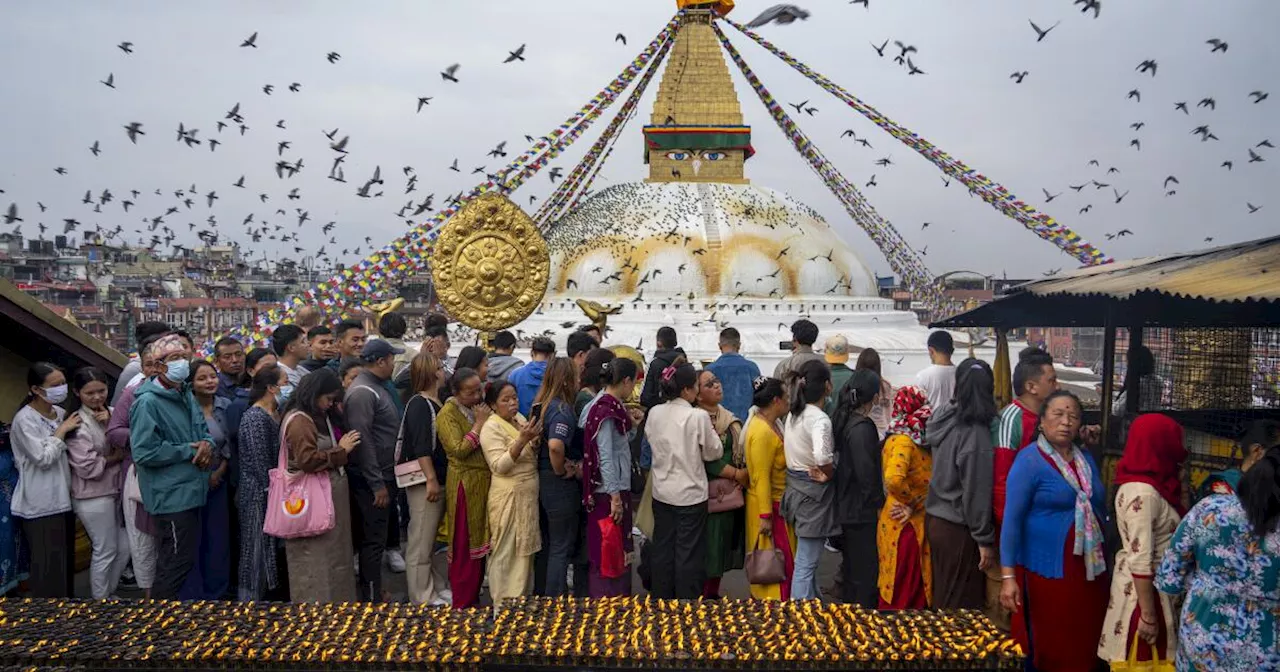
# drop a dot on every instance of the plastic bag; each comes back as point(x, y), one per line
point(613, 556)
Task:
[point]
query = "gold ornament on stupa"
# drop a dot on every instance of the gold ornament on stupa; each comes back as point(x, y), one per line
point(490, 264)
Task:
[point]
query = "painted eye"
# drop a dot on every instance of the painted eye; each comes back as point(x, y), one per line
point(678, 156)
point(713, 156)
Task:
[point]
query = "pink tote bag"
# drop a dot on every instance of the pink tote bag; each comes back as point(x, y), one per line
point(299, 504)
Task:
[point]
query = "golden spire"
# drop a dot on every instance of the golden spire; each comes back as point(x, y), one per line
point(696, 133)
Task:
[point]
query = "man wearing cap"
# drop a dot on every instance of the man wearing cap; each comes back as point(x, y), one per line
point(836, 352)
point(371, 410)
point(172, 450)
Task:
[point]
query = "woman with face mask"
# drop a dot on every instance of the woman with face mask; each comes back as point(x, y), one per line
point(259, 451)
point(42, 501)
point(212, 577)
point(95, 482)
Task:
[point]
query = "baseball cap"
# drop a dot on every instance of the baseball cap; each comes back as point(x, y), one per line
point(836, 349)
point(375, 349)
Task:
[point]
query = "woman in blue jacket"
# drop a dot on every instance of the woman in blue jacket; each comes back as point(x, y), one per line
point(1055, 572)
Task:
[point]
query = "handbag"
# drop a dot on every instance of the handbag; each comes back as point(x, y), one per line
point(765, 567)
point(724, 494)
point(299, 504)
point(1135, 665)
point(410, 473)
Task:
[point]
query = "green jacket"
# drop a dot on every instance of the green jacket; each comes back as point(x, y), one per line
point(840, 374)
point(163, 423)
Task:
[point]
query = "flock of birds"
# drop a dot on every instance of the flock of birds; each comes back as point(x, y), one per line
point(283, 218)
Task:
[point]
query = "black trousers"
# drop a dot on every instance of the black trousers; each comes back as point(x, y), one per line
point(177, 546)
point(52, 540)
point(679, 550)
point(860, 571)
point(369, 530)
point(396, 514)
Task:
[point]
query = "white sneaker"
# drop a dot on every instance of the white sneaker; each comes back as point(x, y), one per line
point(394, 560)
point(438, 601)
point(830, 549)
point(445, 596)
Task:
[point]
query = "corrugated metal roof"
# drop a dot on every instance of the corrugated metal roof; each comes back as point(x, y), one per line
point(1248, 271)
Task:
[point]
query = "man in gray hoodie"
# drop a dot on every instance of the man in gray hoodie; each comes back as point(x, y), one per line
point(371, 410)
point(959, 522)
point(501, 361)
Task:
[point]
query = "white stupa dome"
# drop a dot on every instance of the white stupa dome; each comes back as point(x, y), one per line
point(723, 240)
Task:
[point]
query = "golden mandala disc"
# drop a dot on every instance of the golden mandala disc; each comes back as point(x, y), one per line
point(490, 264)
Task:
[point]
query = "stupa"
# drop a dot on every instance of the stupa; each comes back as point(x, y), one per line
point(697, 246)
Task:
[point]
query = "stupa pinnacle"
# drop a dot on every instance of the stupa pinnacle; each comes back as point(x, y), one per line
point(696, 133)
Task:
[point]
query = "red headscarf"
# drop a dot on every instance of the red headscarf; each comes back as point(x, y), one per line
point(1152, 455)
point(911, 413)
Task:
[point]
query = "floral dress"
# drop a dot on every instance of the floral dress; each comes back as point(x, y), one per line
point(1146, 523)
point(1231, 580)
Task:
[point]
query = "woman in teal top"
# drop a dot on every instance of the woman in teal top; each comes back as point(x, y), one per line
point(1225, 557)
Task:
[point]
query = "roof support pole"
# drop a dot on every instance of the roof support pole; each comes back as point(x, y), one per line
point(1108, 378)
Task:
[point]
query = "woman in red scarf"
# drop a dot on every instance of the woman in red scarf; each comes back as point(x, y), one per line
point(608, 427)
point(1149, 505)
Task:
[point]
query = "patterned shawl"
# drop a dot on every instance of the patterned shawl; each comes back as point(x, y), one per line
point(1088, 537)
point(911, 412)
point(606, 408)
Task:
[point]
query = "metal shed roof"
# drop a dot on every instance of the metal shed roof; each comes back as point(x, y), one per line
point(1233, 285)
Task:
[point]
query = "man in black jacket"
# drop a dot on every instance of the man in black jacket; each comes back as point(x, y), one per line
point(668, 351)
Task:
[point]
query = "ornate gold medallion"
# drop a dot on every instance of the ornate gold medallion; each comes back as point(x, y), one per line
point(490, 265)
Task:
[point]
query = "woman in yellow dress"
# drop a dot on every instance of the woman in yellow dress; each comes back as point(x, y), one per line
point(906, 574)
point(767, 478)
point(466, 486)
point(510, 447)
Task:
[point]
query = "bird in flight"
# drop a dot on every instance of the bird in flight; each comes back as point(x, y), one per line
point(1208, 102)
point(620, 38)
point(1218, 45)
point(126, 47)
point(1019, 76)
point(1086, 208)
point(880, 49)
point(133, 130)
point(1258, 96)
point(912, 69)
point(1169, 179)
point(1135, 94)
point(1181, 106)
point(779, 14)
point(94, 148)
point(1137, 125)
point(1048, 198)
point(422, 101)
point(1253, 208)
point(1254, 157)
point(517, 55)
point(451, 73)
point(1148, 65)
point(1041, 34)
point(1136, 143)
point(110, 81)
point(251, 42)
point(1095, 5)
point(333, 56)
point(1119, 196)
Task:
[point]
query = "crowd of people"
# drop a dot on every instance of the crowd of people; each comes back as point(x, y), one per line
point(292, 473)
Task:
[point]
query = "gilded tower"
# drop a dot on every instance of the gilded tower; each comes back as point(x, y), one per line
point(696, 133)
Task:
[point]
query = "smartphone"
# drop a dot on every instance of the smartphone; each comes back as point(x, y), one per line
point(535, 413)
point(784, 345)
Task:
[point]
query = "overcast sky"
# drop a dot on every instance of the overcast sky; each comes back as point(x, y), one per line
point(188, 67)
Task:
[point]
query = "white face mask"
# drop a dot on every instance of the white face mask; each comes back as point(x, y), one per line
point(56, 394)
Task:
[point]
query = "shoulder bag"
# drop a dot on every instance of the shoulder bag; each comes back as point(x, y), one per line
point(410, 473)
point(765, 567)
point(299, 504)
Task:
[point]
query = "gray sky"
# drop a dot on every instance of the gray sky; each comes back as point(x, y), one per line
point(187, 67)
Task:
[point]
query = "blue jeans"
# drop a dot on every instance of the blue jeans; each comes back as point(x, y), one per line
point(804, 582)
